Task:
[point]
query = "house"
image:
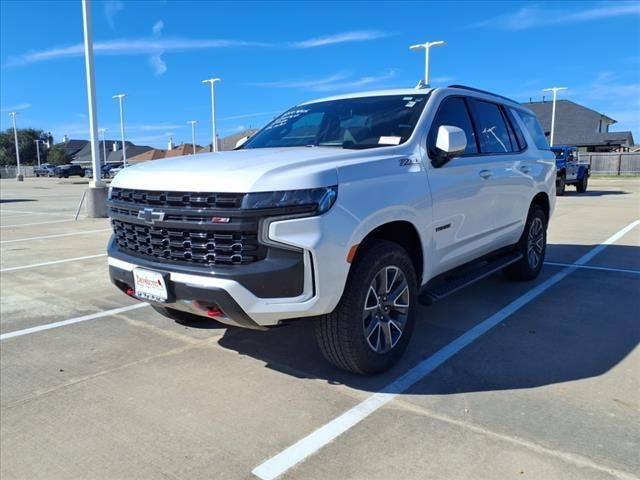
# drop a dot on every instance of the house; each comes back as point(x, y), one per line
point(115, 156)
point(153, 154)
point(229, 143)
point(83, 156)
point(72, 147)
point(580, 126)
point(184, 149)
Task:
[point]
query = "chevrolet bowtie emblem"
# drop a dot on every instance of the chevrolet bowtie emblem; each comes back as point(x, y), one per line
point(149, 215)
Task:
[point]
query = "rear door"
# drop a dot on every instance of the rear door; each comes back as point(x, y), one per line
point(463, 201)
point(512, 182)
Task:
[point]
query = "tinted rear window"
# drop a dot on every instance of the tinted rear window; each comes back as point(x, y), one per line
point(533, 127)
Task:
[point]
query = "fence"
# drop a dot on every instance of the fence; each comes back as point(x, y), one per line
point(627, 163)
point(10, 172)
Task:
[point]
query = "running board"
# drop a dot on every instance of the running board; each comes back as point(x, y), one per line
point(448, 283)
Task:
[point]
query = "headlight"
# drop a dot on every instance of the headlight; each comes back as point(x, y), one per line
point(322, 199)
point(109, 192)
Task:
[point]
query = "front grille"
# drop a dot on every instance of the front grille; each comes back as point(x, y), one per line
point(151, 198)
point(186, 234)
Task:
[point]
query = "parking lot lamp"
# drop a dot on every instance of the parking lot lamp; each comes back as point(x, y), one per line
point(96, 194)
point(427, 46)
point(555, 91)
point(19, 177)
point(38, 150)
point(120, 98)
point(214, 142)
point(193, 135)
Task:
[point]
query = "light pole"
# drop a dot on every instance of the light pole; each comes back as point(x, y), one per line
point(19, 177)
point(193, 134)
point(214, 140)
point(555, 91)
point(97, 192)
point(103, 131)
point(120, 97)
point(427, 46)
point(38, 150)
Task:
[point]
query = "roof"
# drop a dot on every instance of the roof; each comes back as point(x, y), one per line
point(577, 124)
point(152, 154)
point(229, 143)
point(84, 154)
point(73, 146)
point(132, 151)
point(184, 149)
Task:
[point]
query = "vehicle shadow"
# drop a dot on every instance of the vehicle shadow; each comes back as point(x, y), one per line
point(17, 200)
point(551, 340)
point(595, 193)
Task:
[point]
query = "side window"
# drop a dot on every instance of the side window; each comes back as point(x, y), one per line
point(453, 112)
point(522, 142)
point(492, 129)
point(535, 130)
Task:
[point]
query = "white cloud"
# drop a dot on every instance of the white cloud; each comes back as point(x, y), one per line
point(156, 45)
point(157, 28)
point(532, 17)
point(111, 9)
point(158, 64)
point(355, 36)
point(337, 81)
point(16, 108)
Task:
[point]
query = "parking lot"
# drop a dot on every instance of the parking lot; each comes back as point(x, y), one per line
point(501, 380)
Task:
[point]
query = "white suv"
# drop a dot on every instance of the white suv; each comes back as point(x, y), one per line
point(351, 210)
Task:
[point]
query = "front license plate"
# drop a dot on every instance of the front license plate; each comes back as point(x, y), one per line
point(150, 285)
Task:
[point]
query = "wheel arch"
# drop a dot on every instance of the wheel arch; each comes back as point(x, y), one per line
point(542, 200)
point(405, 234)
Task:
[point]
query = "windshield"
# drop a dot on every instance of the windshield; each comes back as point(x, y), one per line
point(366, 122)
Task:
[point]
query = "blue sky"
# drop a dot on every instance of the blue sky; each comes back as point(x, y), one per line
point(273, 55)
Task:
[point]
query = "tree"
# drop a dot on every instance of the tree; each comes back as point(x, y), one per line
point(58, 155)
point(27, 144)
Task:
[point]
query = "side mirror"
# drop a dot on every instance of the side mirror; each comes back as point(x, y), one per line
point(451, 142)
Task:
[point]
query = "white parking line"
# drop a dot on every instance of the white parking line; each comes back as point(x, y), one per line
point(593, 267)
point(283, 461)
point(93, 316)
point(36, 223)
point(53, 262)
point(56, 236)
point(2, 210)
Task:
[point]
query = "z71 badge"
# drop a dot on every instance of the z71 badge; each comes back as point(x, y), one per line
point(405, 162)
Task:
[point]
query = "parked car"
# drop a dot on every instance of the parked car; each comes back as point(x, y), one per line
point(347, 211)
point(44, 170)
point(108, 167)
point(570, 169)
point(69, 170)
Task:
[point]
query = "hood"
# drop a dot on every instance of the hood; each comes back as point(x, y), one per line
point(239, 171)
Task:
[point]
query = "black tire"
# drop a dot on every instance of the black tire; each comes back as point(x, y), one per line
point(37, 175)
point(82, 175)
point(529, 266)
point(341, 334)
point(561, 185)
point(581, 186)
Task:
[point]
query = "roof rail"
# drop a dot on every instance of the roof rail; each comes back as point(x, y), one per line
point(464, 87)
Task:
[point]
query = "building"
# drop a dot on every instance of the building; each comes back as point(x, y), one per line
point(579, 126)
point(153, 154)
point(184, 149)
point(83, 156)
point(115, 156)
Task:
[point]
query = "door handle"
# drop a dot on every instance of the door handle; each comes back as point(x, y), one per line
point(525, 169)
point(485, 173)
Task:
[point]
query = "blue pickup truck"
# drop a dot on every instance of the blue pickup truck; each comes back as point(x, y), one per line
point(571, 171)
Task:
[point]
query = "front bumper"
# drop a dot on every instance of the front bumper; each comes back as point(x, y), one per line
point(323, 274)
